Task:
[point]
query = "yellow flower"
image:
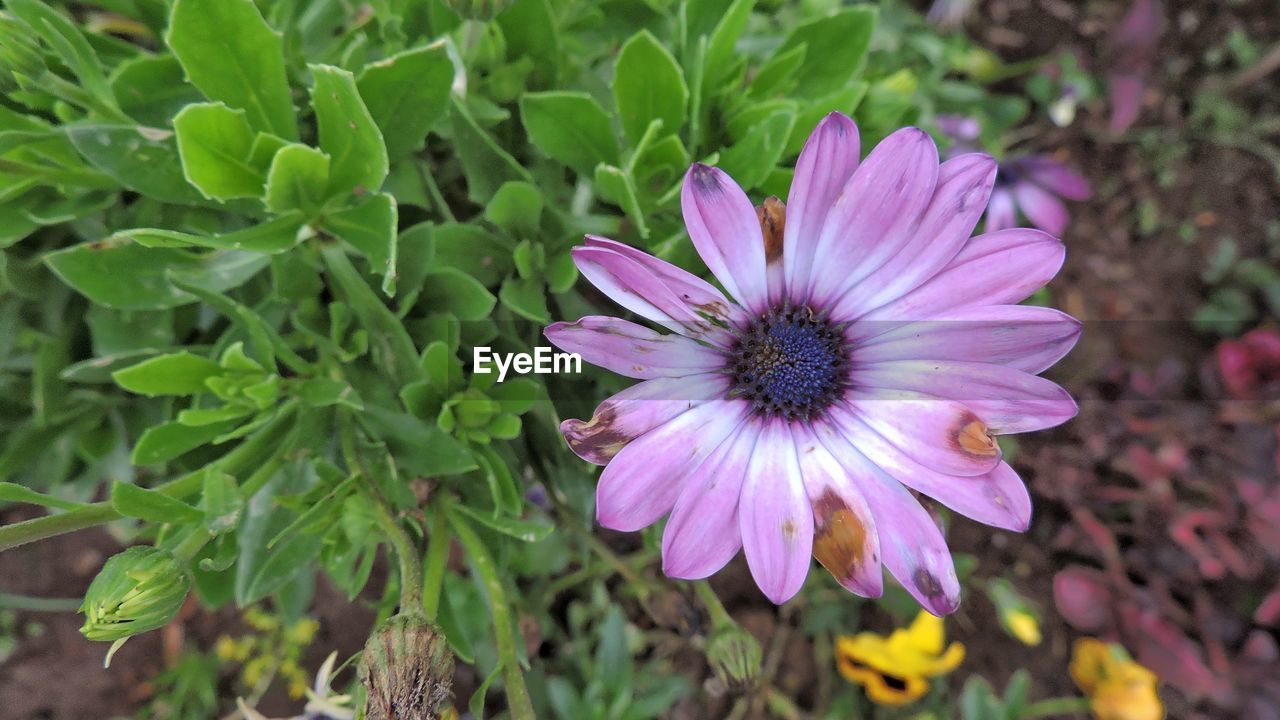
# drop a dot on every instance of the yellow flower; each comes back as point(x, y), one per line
point(1118, 688)
point(896, 670)
point(1024, 626)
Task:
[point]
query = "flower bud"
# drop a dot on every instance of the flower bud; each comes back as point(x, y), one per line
point(735, 657)
point(137, 590)
point(407, 670)
point(483, 10)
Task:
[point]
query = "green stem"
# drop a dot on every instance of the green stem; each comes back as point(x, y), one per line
point(433, 189)
point(517, 694)
point(1055, 706)
point(192, 544)
point(437, 558)
point(246, 455)
point(38, 604)
point(719, 616)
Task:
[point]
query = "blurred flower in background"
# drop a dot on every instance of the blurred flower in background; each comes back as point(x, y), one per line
point(1118, 688)
point(1036, 185)
point(1133, 48)
point(949, 14)
point(1250, 365)
point(896, 670)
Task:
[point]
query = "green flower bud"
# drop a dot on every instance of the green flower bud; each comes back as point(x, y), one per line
point(407, 670)
point(483, 10)
point(473, 409)
point(735, 657)
point(137, 590)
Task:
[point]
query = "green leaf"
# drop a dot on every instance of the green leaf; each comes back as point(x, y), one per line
point(214, 142)
point(836, 45)
point(121, 274)
point(153, 505)
point(751, 159)
point(357, 155)
point(166, 441)
point(419, 448)
point(473, 250)
point(221, 502)
point(298, 179)
point(516, 208)
point(142, 159)
point(407, 94)
point(200, 417)
point(11, 492)
point(65, 38)
point(648, 84)
point(152, 89)
point(452, 291)
point(570, 127)
point(176, 374)
point(525, 297)
point(233, 56)
point(617, 187)
point(273, 236)
point(523, 530)
point(724, 39)
point(370, 228)
point(484, 162)
point(323, 392)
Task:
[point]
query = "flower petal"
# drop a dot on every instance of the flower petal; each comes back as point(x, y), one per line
point(845, 538)
point(1025, 337)
point(964, 185)
point(998, 268)
point(1007, 400)
point(942, 435)
point(1002, 213)
point(775, 516)
point(633, 350)
point(1042, 208)
point(723, 226)
point(702, 533)
point(1056, 177)
point(828, 160)
point(878, 209)
point(637, 410)
point(700, 295)
point(911, 545)
point(997, 498)
point(641, 483)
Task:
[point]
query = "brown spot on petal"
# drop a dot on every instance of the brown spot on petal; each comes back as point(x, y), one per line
point(975, 438)
point(788, 528)
point(773, 220)
point(928, 583)
point(840, 538)
point(596, 440)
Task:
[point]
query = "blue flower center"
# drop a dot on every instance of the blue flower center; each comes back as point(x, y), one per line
point(791, 362)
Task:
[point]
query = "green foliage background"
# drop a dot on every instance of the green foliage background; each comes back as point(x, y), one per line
point(247, 248)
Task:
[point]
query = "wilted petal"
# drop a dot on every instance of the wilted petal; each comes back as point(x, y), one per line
point(911, 545)
point(1025, 337)
point(633, 350)
point(876, 212)
point(702, 534)
point(723, 226)
point(998, 268)
point(964, 184)
point(829, 158)
point(940, 434)
point(637, 410)
point(1042, 208)
point(641, 483)
point(1007, 400)
point(775, 517)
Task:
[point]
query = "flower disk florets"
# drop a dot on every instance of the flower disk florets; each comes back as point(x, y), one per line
point(791, 362)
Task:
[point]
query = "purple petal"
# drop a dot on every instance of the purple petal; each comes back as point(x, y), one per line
point(997, 497)
point(845, 538)
point(702, 533)
point(1001, 212)
point(1042, 208)
point(964, 184)
point(998, 268)
point(911, 545)
point(641, 483)
point(1025, 337)
point(1126, 93)
point(1134, 45)
point(700, 295)
point(940, 434)
point(633, 350)
point(723, 226)
point(636, 288)
point(828, 160)
point(1056, 177)
point(876, 212)
point(637, 410)
point(775, 517)
point(1007, 400)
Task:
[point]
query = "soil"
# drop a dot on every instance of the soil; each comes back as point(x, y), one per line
point(1141, 372)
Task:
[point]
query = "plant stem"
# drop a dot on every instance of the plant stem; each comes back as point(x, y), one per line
point(1055, 706)
point(437, 557)
point(246, 455)
point(38, 604)
point(719, 616)
point(192, 544)
point(517, 694)
point(433, 189)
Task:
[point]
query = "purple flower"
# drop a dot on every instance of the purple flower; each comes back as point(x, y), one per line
point(949, 14)
point(1133, 46)
point(1036, 185)
point(873, 349)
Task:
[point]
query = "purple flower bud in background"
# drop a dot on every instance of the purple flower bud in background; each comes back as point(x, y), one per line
point(1133, 48)
point(949, 14)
